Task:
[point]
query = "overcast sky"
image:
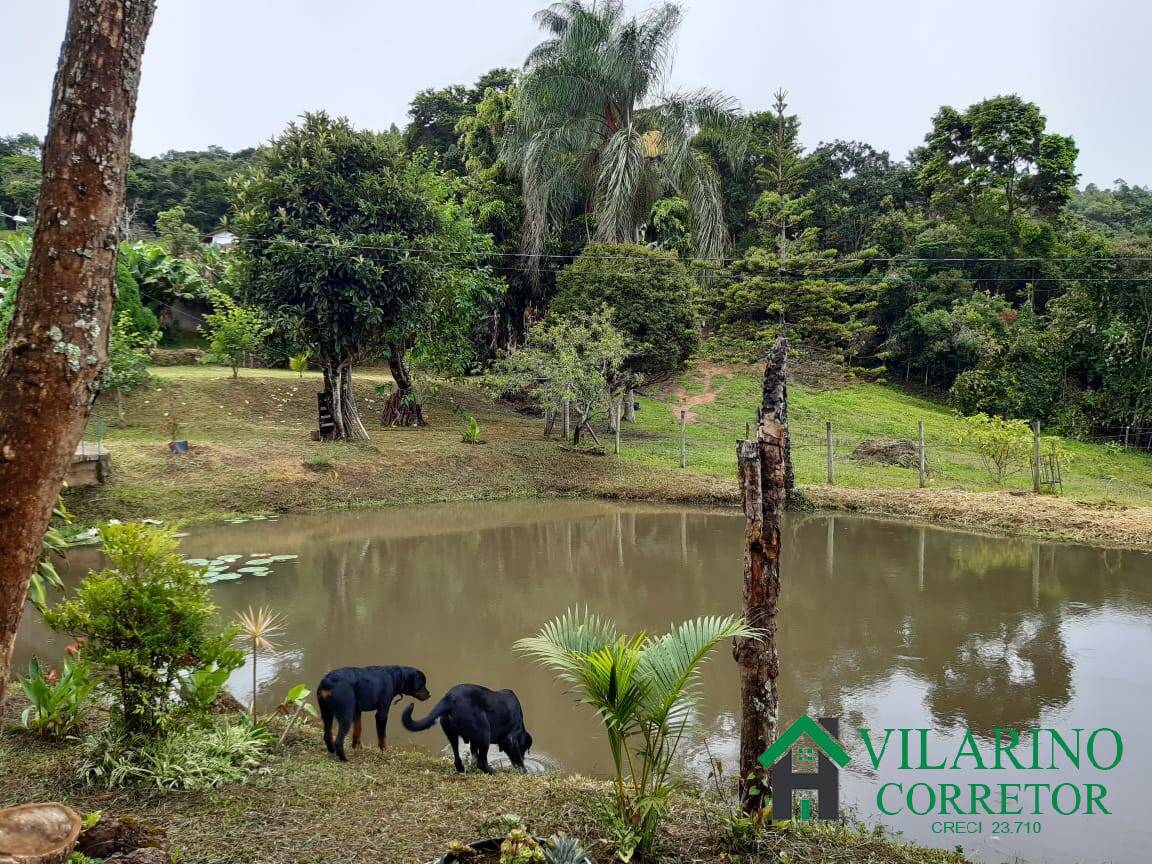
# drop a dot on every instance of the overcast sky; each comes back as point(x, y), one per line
point(233, 72)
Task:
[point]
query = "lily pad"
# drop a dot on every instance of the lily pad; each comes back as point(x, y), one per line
point(197, 562)
point(258, 571)
point(280, 558)
point(228, 558)
point(225, 577)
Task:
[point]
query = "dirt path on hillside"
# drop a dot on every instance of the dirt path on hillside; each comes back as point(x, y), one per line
point(686, 403)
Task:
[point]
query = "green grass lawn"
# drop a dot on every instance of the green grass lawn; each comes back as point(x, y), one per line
point(1092, 472)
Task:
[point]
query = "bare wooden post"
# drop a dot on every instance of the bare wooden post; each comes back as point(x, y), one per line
point(682, 421)
point(630, 405)
point(619, 421)
point(57, 344)
point(831, 447)
point(923, 459)
point(762, 468)
point(1126, 430)
point(1036, 456)
point(566, 422)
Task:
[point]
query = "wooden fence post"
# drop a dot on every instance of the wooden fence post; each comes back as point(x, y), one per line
point(1036, 456)
point(831, 453)
point(923, 458)
point(619, 421)
point(1126, 429)
point(566, 422)
point(683, 415)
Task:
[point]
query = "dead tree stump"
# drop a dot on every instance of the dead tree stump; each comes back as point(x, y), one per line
point(38, 833)
point(764, 471)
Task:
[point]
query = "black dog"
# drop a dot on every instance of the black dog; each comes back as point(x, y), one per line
point(480, 716)
point(344, 693)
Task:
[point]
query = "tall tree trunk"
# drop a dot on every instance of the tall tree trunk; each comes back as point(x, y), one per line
point(58, 339)
point(345, 413)
point(403, 407)
point(763, 467)
point(629, 405)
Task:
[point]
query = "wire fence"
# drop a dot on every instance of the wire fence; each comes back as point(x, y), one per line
point(900, 457)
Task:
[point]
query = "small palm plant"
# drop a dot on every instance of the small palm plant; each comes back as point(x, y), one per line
point(646, 690)
point(258, 629)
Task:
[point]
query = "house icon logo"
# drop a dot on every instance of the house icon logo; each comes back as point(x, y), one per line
point(830, 758)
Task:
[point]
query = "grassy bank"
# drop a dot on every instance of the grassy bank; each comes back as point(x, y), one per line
point(404, 807)
point(251, 454)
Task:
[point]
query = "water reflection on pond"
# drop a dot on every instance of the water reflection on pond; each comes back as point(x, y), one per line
point(883, 624)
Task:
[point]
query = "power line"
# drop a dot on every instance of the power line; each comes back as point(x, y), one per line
point(586, 257)
point(873, 279)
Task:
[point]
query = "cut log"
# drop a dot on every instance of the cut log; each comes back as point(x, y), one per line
point(38, 833)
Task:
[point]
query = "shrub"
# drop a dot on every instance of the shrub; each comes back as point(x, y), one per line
point(471, 434)
point(145, 623)
point(192, 758)
point(141, 319)
point(576, 359)
point(1003, 445)
point(233, 332)
point(58, 698)
point(645, 690)
point(128, 359)
point(650, 292)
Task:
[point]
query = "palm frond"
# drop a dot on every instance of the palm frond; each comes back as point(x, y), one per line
point(619, 186)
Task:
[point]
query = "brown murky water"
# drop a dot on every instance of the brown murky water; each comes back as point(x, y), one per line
point(882, 624)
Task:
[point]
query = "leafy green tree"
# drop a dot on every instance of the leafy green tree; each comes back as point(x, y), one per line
point(19, 175)
point(592, 134)
point(178, 236)
point(435, 116)
point(197, 181)
point(576, 360)
point(1002, 444)
point(128, 359)
point(1119, 211)
point(334, 216)
point(144, 622)
point(787, 279)
point(853, 193)
point(1103, 329)
point(233, 332)
point(997, 152)
point(651, 295)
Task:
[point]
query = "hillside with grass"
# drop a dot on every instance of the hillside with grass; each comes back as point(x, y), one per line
point(251, 454)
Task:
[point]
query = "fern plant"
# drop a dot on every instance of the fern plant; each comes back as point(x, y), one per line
point(646, 691)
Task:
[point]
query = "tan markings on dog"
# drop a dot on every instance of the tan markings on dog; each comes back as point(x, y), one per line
point(383, 743)
point(356, 732)
point(324, 693)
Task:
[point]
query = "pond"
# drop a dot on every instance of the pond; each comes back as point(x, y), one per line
point(883, 624)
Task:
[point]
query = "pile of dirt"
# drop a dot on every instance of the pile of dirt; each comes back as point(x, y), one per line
point(897, 451)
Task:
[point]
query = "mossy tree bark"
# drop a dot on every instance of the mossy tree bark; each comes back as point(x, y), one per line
point(403, 407)
point(763, 470)
point(58, 340)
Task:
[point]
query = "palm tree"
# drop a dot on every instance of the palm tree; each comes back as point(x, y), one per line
point(646, 690)
point(592, 130)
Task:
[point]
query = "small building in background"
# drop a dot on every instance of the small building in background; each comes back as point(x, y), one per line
point(223, 238)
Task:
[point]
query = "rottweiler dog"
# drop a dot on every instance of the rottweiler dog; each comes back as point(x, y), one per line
point(344, 693)
point(481, 717)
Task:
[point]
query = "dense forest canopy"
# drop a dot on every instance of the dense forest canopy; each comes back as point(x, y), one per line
point(973, 267)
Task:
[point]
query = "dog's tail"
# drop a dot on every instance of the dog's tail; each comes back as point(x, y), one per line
point(428, 722)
